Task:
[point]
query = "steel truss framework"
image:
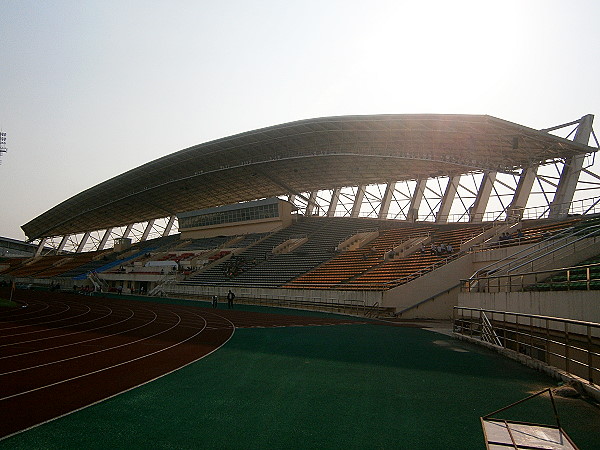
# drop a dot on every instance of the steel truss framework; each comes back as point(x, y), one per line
point(98, 240)
point(552, 189)
point(474, 196)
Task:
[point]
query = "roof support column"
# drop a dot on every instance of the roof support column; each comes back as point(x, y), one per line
point(515, 209)
point(447, 200)
point(335, 198)
point(169, 226)
point(310, 205)
point(559, 208)
point(483, 197)
point(147, 230)
point(127, 231)
point(387, 200)
point(41, 246)
point(415, 201)
point(84, 240)
point(104, 239)
point(62, 244)
point(358, 199)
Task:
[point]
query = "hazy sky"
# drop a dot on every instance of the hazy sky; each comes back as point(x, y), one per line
point(90, 89)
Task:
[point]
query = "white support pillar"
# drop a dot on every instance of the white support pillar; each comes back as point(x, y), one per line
point(147, 230)
point(169, 226)
point(41, 246)
point(387, 200)
point(447, 200)
point(310, 205)
point(84, 240)
point(358, 199)
point(104, 239)
point(519, 201)
point(483, 197)
point(559, 208)
point(62, 244)
point(335, 198)
point(415, 201)
point(127, 231)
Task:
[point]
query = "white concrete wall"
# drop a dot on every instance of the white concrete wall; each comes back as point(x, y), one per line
point(428, 285)
point(366, 298)
point(577, 305)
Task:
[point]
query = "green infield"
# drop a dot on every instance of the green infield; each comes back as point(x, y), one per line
point(7, 303)
point(345, 386)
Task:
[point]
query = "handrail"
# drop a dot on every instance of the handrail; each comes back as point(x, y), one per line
point(524, 252)
point(527, 279)
point(566, 244)
point(428, 299)
point(539, 246)
point(570, 345)
point(532, 316)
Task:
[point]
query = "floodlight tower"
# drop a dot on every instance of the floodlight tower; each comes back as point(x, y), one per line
point(2, 144)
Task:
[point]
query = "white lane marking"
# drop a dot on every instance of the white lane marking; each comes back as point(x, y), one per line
point(47, 322)
point(92, 353)
point(111, 367)
point(133, 387)
point(74, 332)
point(80, 332)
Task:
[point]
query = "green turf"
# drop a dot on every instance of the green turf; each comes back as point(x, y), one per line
point(349, 386)
point(7, 303)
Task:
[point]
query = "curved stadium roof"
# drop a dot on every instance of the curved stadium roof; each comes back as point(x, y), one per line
point(304, 156)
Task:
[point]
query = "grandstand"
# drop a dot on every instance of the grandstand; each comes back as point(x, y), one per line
point(388, 211)
point(396, 216)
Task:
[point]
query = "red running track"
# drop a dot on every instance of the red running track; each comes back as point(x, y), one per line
point(63, 352)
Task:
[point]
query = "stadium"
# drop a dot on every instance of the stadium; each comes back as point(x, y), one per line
point(371, 229)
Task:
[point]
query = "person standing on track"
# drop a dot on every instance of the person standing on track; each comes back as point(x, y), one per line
point(230, 297)
point(215, 300)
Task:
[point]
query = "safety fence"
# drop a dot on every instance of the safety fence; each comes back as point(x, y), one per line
point(584, 277)
point(572, 346)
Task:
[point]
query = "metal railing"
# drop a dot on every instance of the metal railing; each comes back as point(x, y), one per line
point(569, 345)
point(585, 277)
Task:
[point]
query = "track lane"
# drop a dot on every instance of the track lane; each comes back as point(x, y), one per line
point(61, 378)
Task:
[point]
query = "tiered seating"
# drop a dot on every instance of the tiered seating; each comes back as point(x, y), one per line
point(90, 266)
point(176, 257)
point(138, 250)
point(36, 266)
point(397, 271)
point(532, 233)
point(350, 264)
point(11, 263)
point(263, 268)
point(205, 243)
point(67, 264)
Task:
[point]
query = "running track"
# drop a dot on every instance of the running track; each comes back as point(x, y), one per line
point(63, 352)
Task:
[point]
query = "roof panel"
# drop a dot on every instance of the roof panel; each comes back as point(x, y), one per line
point(302, 156)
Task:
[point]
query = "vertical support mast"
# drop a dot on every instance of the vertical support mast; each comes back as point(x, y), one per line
point(559, 208)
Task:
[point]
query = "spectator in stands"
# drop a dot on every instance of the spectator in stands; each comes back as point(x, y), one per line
point(230, 297)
